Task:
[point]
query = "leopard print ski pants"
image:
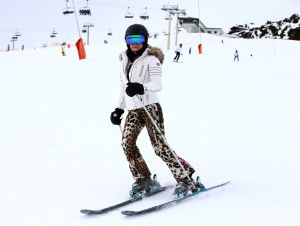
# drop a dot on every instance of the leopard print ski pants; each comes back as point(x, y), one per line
point(135, 121)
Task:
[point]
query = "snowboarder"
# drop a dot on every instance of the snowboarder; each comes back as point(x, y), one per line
point(236, 56)
point(140, 81)
point(178, 53)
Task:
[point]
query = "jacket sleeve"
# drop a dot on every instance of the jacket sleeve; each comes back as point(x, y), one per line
point(121, 103)
point(155, 74)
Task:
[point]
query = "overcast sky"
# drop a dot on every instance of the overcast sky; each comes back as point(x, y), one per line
point(36, 19)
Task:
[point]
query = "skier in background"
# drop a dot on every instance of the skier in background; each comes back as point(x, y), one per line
point(178, 53)
point(236, 56)
point(63, 51)
point(140, 82)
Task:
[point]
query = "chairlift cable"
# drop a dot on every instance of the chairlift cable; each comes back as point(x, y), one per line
point(76, 19)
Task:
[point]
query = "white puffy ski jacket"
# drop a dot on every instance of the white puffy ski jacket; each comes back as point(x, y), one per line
point(145, 70)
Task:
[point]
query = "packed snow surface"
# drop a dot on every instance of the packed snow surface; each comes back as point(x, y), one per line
point(236, 121)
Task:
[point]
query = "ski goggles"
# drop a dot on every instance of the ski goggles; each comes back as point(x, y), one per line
point(135, 39)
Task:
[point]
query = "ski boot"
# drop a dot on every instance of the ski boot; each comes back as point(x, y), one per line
point(144, 185)
point(187, 185)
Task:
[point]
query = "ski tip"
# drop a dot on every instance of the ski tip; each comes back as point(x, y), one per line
point(227, 182)
point(128, 213)
point(85, 211)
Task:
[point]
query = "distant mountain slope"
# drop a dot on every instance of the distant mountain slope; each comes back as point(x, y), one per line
point(288, 28)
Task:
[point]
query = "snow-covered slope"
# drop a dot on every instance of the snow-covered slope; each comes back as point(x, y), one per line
point(235, 121)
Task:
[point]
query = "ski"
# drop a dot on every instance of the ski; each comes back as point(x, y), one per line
point(126, 202)
point(170, 203)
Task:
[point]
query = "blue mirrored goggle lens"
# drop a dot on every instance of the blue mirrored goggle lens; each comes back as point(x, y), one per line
point(135, 39)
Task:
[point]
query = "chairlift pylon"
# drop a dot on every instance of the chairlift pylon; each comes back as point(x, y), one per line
point(128, 14)
point(145, 15)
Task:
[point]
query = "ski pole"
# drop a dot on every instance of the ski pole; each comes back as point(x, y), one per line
point(121, 129)
point(164, 138)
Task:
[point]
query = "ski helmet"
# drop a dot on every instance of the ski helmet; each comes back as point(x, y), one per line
point(137, 29)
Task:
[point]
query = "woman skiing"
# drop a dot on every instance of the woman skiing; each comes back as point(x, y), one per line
point(140, 82)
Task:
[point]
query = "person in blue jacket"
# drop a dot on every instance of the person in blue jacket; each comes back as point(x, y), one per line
point(236, 56)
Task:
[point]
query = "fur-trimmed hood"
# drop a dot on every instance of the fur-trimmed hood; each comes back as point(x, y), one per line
point(151, 51)
point(157, 52)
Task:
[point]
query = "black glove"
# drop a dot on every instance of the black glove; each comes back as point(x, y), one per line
point(115, 116)
point(134, 88)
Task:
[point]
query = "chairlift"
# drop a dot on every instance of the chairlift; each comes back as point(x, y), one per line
point(84, 11)
point(145, 15)
point(52, 36)
point(168, 18)
point(109, 32)
point(128, 14)
point(84, 30)
point(54, 32)
point(17, 33)
point(68, 10)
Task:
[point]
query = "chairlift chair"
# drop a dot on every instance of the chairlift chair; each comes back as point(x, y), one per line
point(68, 10)
point(84, 30)
point(167, 17)
point(145, 15)
point(84, 11)
point(54, 32)
point(128, 14)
